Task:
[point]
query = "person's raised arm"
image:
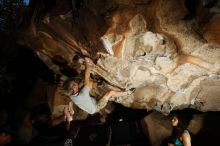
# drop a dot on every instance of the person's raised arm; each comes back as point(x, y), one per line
point(87, 73)
point(65, 117)
point(186, 139)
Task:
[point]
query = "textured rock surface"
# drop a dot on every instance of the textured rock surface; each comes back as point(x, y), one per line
point(167, 59)
point(160, 122)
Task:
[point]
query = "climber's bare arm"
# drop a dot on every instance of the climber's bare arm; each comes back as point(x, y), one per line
point(87, 81)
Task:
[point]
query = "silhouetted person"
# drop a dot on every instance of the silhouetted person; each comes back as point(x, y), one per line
point(51, 132)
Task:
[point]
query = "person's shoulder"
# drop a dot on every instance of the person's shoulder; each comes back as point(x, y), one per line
point(85, 88)
point(186, 134)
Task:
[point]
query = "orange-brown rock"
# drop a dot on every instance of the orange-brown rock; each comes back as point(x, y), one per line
point(150, 47)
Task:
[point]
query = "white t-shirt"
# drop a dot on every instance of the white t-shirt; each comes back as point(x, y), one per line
point(84, 101)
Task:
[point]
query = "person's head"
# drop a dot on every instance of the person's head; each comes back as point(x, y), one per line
point(175, 121)
point(40, 116)
point(180, 121)
point(71, 86)
point(181, 118)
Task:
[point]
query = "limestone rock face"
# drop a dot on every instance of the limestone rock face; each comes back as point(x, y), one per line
point(173, 63)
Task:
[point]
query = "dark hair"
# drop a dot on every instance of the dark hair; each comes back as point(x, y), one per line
point(68, 84)
point(184, 118)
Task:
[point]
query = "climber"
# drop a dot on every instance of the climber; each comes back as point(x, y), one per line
point(82, 98)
